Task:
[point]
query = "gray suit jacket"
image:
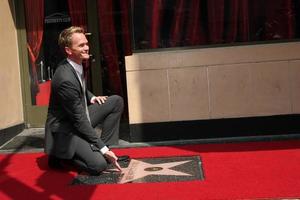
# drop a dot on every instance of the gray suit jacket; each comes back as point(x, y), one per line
point(67, 120)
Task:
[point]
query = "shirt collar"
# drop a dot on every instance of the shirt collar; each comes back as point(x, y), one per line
point(78, 68)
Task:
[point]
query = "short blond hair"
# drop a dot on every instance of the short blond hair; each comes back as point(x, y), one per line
point(65, 37)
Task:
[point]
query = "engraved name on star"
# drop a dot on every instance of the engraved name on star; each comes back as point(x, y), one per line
point(139, 169)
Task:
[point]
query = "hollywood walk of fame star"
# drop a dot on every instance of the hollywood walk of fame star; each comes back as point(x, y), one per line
point(139, 169)
point(166, 169)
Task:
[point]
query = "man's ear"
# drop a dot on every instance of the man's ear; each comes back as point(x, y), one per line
point(68, 51)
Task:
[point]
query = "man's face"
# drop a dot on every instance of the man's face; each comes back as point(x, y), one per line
point(79, 50)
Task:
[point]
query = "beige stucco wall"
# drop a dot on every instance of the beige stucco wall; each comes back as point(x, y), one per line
point(11, 108)
point(213, 83)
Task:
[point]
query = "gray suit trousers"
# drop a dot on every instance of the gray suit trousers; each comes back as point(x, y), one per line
point(107, 116)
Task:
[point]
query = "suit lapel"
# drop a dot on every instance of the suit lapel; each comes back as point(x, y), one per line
point(75, 75)
point(83, 90)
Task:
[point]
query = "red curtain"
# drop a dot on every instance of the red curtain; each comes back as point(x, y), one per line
point(238, 26)
point(77, 10)
point(109, 44)
point(34, 13)
point(154, 17)
point(195, 34)
point(187, 26)
point(244, 22)
point(125, 29)
point(178, 23)
point(197, 22)
point(215, 10)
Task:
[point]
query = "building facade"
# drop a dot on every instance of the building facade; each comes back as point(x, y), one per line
point(172, 91)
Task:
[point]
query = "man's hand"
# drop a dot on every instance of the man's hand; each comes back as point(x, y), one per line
point(99, 99)
point(113, 159)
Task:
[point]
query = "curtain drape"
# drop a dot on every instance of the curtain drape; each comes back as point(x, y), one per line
point(77, 10)
point(34, 13)
point(215, 13)
point(237, 28)
point(194, 31)
point(244, 22)
point(109, 44)
point(154, 21)
point(229, 26)
point(125, 27)
point(177, 27)
point(197, 22)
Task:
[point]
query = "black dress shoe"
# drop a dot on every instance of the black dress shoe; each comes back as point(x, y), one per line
point(124, 161)
point(124, 158)
point(55, 163)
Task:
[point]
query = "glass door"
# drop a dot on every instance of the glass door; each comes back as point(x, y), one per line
point(43, 21)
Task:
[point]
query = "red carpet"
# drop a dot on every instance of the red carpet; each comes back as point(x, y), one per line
point(42, 98)
point(254, 170)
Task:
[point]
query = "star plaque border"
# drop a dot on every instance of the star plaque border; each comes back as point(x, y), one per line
point(145, 170)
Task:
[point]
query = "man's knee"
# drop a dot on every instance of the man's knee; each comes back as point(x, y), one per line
point(118, 102)
point(97, 167)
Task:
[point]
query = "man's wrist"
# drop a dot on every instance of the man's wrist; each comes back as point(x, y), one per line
point(93, 98)
point(104, 149)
